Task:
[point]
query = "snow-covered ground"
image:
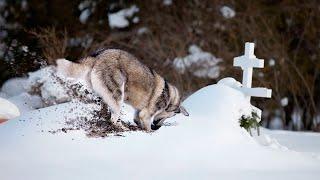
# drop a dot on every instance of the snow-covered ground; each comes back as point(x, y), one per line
point(209, 144)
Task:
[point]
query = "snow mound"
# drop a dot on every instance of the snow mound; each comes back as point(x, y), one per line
point(45, 83)
point(120, 19)
point(27, 102)
point(3, 95)
point(231, 82)
point(200, 63)
point(41, 88)
point(47, 87)
point(14, 86)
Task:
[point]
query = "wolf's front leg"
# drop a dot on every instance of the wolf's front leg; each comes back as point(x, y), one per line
point(136, 118)
point(112, 97)
point(145, 119)
point(115, 115)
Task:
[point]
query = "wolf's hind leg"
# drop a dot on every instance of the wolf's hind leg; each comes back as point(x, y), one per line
point(112, 97)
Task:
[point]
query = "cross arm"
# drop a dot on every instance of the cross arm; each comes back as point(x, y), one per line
point(257, 92)
point(244, 62)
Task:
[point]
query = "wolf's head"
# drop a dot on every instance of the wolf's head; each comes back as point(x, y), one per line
point(172, 107)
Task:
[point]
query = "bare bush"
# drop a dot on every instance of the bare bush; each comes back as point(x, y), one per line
point(53, 43)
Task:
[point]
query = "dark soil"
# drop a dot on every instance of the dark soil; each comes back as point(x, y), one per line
point(97, 126)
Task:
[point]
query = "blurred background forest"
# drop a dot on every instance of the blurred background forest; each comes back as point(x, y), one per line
point(33, 33)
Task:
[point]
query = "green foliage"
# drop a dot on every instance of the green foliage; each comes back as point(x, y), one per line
point(250, 122)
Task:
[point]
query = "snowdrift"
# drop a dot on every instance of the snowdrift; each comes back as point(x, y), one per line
point(209, 144)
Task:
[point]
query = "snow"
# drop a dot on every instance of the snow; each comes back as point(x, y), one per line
point(24, 5)
point(316, 119)
point(272, 62)
point(276, 123)
point(3, 4)
point(204, 63)
point(296, 117)
point(14, 87)
point(51, 89)
point(25, 49)
point(120, 19)
point(135, 20)
point(230, 82)
point(284, 101)
point(167, 2)
point(227, 12)
point(84, 41)
point(87, 8)
point(302, 142)
point(8, 110)
point(84, 4)
point(3, 95)
point(142, 30)
point(209, 143)
point(27, 102)
point(84, 15)
point(260, 74)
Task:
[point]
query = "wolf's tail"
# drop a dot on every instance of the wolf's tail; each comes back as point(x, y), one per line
point(70, 69)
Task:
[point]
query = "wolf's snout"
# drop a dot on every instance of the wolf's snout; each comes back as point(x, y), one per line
point(155, 127)
point(156, 124)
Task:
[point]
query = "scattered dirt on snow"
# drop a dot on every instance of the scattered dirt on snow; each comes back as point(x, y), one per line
point(98, 125)
point(95, 122)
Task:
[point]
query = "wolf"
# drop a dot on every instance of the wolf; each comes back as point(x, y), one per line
point(119, 77)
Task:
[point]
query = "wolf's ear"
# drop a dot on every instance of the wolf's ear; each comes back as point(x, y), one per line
point(184, 111)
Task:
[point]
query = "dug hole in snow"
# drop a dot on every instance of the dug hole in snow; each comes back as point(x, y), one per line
point(209, 143)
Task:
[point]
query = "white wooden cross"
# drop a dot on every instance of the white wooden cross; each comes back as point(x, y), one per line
point(247, 62)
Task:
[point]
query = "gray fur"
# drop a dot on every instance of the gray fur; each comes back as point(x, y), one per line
point(118, 76)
